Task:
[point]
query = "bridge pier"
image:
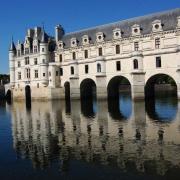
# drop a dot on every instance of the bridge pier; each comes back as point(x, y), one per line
point(74, 88)
point(101, 89)
point(138, 84)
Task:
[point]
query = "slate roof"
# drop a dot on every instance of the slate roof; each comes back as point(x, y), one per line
point(168, 20)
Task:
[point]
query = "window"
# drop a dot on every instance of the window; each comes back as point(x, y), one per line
point(136, 46)
point(135, 64)
point(72, 70)
point(35, 49)
point(74, 55)
point(19, 53)
point(118, 65)
point(86, 69)
point(44, 74)
point(86, 54)
point(26, 50)
point(26, 60)
point(35, 61)
point(57, 73)
point(100, 51)
point(49, 73)
point(98, 67)
point(19, 75)
point(158, 61)
point(157, 43)
point(19, 64)
point(37, 85)
point(28, 73)
point(43, 61)
point(60, 58)
point(36, 73)
point(117, 49)
point(42, 49)
point(61, 71)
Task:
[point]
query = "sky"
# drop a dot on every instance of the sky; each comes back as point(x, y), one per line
point(16, 16)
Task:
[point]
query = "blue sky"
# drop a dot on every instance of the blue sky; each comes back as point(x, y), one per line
point(18, 15)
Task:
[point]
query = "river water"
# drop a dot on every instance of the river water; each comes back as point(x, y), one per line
point(117, 139)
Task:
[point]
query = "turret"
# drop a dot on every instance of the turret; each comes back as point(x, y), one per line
point(12, 53)
point(44, 57)
point(59, 32)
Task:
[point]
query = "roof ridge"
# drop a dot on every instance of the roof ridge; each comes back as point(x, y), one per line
point(124, 20)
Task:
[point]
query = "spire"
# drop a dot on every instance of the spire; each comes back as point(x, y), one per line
point(43, 36)
point(12, 46)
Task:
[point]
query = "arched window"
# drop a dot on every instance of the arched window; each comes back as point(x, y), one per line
point(135, 64)
point(98, 67)
point(72, 70)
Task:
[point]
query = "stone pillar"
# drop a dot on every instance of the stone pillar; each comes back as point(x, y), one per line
point(101, 88)
point(178, 83)
point(138, 85)
point(74, 88)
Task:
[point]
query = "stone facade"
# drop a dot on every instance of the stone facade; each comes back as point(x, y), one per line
point(136, 49)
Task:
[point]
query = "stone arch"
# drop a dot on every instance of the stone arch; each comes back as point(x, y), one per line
point(160, 81)
point(88, 88)
point(117, 84)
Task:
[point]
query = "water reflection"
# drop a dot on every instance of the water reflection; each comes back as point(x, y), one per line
point(65, 132)
point(163, 107)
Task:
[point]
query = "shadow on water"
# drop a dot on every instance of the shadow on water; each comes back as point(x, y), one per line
point(89, 107)
point(120, 106)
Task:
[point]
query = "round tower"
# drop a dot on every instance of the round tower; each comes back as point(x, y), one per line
point(12, 53)
point(44, 58)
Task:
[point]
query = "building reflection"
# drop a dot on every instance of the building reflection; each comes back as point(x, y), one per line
point(50, 131)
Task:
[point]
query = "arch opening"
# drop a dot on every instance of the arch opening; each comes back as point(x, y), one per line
point(88, 97)
point(119, 98)
point(8, 96)
point(161, 98)
point(67, 97)
point(88, 89)
point(160, 85)
point(118, 85)
point(28, 96)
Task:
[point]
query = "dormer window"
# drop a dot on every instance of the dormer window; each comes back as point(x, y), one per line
point(156, 26)
point(26, 50)
point(136, 30)
point(73, 42)
point(117, 33)
point(85, 39)
point(60, 45)
point(100, 37)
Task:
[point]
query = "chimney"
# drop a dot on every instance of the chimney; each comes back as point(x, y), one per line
point(59, 32)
